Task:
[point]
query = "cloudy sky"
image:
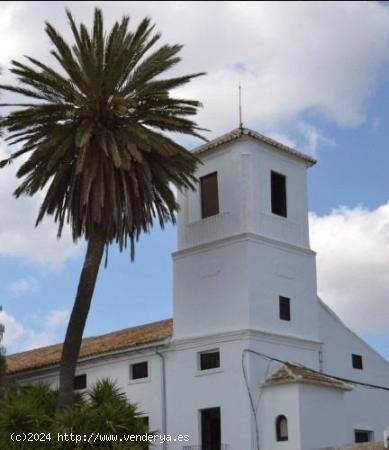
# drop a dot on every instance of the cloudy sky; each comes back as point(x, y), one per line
point(314, 75)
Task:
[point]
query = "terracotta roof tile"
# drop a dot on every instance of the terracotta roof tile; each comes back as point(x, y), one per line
point(118, 340)
point(239, 132)
point(291, 373)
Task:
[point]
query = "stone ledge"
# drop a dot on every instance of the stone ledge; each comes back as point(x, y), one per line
point(367, 446)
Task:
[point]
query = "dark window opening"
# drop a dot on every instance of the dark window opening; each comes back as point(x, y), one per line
point(278, 194)
point(285, 308)
point(210, 429)
point(79, 382)
point(145, 421)
point(357, 362)
point(363, 436)
point(139, 370)
point(282, 428)
point(209, 195)
point(209, 360)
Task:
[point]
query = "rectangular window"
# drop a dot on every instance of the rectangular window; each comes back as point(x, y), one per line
point(285, 308)
point(363, 436)
point(357, 361)
point(210, 360)
point(209, 195)
point(79, 382)
point(139, 370)
point(278, 194)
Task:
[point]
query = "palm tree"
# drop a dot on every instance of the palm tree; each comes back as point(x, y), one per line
point(93, 134)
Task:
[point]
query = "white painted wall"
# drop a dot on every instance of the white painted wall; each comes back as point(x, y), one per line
point(276, 269)
point(211, 289)
point(323, 416)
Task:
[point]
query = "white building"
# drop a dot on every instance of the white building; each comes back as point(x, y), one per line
point(244, 287)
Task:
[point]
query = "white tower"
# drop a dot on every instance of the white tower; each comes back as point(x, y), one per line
point(243, 260)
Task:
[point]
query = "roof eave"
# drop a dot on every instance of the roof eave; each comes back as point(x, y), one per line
point(241, 132)
point(345, 387)
point(91, 357)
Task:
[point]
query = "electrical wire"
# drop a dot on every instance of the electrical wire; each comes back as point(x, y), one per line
point(252, 405)
point(346, 380)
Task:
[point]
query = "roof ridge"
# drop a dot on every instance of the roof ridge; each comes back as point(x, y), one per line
point(306, 375)
point(236, 133)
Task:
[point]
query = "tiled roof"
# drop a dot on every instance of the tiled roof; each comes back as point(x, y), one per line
point(239, 132)
point(118, 340)
point(291, 373)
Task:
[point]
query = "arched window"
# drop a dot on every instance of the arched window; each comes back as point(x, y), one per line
point(282, 428)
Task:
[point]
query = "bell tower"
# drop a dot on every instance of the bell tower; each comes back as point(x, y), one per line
point(243, 260)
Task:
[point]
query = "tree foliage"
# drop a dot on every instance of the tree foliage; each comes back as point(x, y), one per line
point(103, 409)
point(92, 130)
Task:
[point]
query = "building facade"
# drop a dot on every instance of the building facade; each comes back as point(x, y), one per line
point(252, 358)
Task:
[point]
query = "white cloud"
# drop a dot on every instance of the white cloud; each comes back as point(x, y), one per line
point(307, 138)
point(314, 139)
point(57, 318)
point(293, 57)
point(18, 337)
point(9, 46)
point(290, 57)
point(18, 234)
point(13, 332)
point(22, 286)
point(352, 247)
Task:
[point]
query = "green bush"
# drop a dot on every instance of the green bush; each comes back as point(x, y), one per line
point(104, 409)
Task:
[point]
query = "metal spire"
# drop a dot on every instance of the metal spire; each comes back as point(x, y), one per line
point(240, 107)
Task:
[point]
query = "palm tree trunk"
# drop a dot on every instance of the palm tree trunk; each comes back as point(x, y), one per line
point(77, 321)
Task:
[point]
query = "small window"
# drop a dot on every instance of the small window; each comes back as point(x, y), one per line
point(209, 195)
point(285, 308)
point(139, 370)
point(278, 194)
point(210, 360)
point(145, 421)
point(363, 435)
point(282, 428)
point(357, 361)
point(79, 382)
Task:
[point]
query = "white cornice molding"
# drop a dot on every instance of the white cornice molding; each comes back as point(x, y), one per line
point(241, 237)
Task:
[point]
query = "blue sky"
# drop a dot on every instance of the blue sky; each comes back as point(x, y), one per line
point(307, 80)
